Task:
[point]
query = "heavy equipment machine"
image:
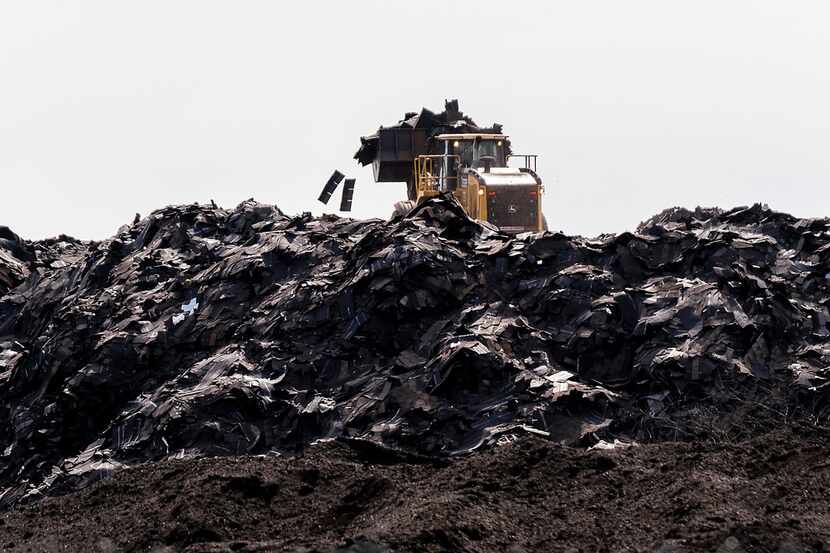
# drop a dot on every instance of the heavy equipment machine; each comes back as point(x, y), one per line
point(447, 153)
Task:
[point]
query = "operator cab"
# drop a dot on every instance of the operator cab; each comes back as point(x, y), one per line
point(475, 150)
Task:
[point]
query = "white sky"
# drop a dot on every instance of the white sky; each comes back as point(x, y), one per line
point(108, 108)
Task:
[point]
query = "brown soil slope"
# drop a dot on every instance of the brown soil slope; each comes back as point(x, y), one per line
point(765, 494)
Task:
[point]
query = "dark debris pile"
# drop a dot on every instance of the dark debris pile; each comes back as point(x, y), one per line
point(13, 257)
point(204, 331)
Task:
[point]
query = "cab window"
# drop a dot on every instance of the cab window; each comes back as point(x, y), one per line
point(465, 151)
point(487, 148)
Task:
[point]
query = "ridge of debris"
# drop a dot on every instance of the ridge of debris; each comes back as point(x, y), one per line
point(204, 331)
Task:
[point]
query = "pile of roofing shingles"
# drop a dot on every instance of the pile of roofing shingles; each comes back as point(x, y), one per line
point(202, 331)
point(13, 257)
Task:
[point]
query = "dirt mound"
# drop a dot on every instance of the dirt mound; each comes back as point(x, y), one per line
point(203, 331)
point(767, 494)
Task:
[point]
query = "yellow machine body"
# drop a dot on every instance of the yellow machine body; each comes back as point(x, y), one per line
point(474, 169)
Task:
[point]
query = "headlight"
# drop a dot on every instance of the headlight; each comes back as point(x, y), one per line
point(481, 192)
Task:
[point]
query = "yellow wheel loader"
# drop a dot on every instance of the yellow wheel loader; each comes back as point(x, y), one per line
point(475, 165)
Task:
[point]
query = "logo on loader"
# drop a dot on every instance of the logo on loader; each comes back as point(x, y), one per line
point(512, 209)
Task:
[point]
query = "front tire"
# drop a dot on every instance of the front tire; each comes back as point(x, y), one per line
point(402, 209)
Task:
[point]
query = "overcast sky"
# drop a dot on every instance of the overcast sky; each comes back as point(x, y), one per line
point(108, 108)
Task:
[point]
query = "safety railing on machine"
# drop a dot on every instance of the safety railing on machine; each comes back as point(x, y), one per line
point(529, 160)
point(427, 179)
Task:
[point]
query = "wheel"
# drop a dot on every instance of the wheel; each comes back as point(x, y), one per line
point(402, 209)
point(411, 189)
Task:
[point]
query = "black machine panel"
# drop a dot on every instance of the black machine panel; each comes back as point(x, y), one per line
point(513, 208)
